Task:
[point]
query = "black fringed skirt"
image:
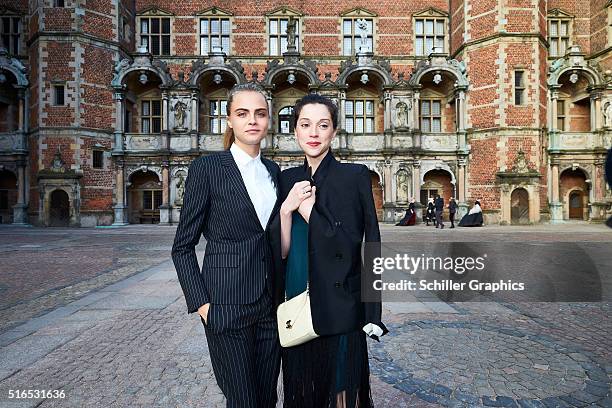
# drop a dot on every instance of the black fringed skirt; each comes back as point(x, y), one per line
point(314, 373)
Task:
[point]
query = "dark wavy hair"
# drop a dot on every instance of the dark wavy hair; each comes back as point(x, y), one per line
point(313, 98)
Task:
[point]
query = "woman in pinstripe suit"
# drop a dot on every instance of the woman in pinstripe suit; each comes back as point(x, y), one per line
point(229, 199)
point(327, 211)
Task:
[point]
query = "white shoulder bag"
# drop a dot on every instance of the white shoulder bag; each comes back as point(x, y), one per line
point(295, 320)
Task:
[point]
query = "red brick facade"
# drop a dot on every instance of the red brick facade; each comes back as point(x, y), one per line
point(80, 48)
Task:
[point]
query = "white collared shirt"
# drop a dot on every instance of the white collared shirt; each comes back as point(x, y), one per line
point(257, 181)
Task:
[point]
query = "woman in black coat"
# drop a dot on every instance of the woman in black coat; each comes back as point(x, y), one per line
point(410, 216)
point(327, 211)
point(473, 218)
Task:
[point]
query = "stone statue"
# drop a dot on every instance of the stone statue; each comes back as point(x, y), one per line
point(402, 186)
point(362, 31)
point(291, 32)
point(521, 165)
point(180, 110)
point(57, 165)
point(401, 119)
point(180, 189)
point(607, 113)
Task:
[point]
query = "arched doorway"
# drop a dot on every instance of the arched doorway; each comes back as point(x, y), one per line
point(436, 182)
point(59, 209)
point(8, 196)
point(574, 192)
point(576, 205)
point(144, 198)
point(377, 192)
point(519, 206)
point(9, 103)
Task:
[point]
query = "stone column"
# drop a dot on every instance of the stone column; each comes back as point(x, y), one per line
point(343, 143)
point(460, 107)
point(165, 110)
point(598, 206)
point(415, 110)
point(120, 208)
point(387, 117)
point(554, 97)
point(553, 131)
point(269, 139)
point(21, 113)
point(164, 209)
point(416, 141)
point(596, 115)
point(388, 204)
point(461, 188)
point(416, 188)
point(556, 207)
point(195, 119)
point(20, 210)
point(165, 132)
point(21, 142)
point(119, 125)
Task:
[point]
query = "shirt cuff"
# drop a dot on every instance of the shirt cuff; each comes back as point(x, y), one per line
point(372, 329)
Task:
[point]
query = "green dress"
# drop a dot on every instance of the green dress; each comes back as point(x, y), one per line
point(295, 283)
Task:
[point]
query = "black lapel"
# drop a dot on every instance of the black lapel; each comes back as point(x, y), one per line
point(235, 177)
point(274, 175)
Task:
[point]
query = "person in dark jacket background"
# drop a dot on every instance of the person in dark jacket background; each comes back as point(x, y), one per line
point(452, 210)
point(439, 204)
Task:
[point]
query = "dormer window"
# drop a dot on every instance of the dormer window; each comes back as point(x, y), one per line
point(430, 32)
point(215, 31)
point(155, 32)
point(358, 31)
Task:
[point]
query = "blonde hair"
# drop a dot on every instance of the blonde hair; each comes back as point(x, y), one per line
point(228, 136)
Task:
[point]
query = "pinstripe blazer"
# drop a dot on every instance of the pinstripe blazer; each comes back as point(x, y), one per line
point(237, 264)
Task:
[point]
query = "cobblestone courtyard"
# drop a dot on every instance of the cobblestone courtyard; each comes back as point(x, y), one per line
point(99, 314)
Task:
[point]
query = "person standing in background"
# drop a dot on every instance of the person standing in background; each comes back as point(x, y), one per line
point(452, 209)
point(439, 205)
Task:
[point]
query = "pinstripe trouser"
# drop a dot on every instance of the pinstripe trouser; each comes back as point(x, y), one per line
point(245, 352)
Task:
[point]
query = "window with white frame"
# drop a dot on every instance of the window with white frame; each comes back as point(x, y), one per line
point(430, 115)
point(150, 116)
point(277, 29)
point(10, 33)
point(359, 115)
point(558, 36)
point(214, 32)
point(430, 35)
point(519, 87)
point(351, 35)
point(217, 118)
point(155, 34)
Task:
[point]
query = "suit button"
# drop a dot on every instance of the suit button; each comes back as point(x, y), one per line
point(338, 255)
point(337, 284)
point(338, 223)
